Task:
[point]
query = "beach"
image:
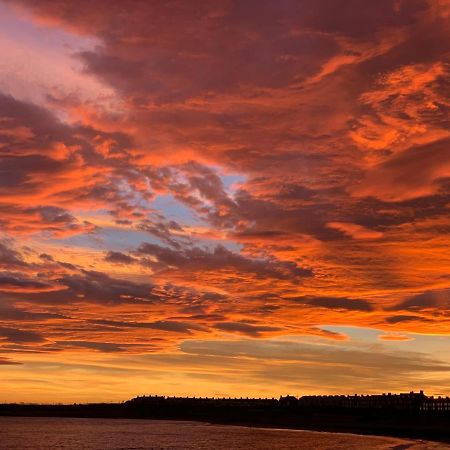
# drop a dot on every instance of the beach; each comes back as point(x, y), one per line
point(42, 433)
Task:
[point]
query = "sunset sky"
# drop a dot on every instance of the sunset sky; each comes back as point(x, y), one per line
point(223, 197)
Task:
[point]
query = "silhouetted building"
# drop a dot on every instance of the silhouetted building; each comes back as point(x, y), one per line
point(436, 404)
point(412, 401)
point(403, 401)
point(289, 401)
point(230, 402)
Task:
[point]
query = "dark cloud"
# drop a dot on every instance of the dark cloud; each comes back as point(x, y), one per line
point(20, 336)
point(12, 282)
point(348, 304)
point(439, 299)
point(99, 287)
point(401, 318)
point(10, 258)
point(106, 347)
point(245, 328)
point(11, 313)
point(8, 362)
point(164, 231)
point(119, 258)
point(395, 178)
point(162, 325)
point(197, 259)
point(214, 32)
point(92, 287)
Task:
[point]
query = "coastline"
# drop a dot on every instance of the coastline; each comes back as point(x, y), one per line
point(404, 443)
point(316, 423)
point(90, 433)
point(329, 428)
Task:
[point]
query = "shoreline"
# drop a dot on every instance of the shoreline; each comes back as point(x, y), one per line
point(400, 434)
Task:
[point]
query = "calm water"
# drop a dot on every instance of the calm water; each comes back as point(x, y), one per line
point(84, 434)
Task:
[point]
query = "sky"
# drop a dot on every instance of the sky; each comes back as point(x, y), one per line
point(223, 198)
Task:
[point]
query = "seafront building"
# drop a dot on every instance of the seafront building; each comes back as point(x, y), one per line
point(411, 401)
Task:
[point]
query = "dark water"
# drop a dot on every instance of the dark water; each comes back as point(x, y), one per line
point(84, 434)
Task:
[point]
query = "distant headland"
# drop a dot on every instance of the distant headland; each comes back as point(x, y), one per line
point(412, 414)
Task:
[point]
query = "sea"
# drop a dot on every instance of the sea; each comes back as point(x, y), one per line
point(41, 433)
